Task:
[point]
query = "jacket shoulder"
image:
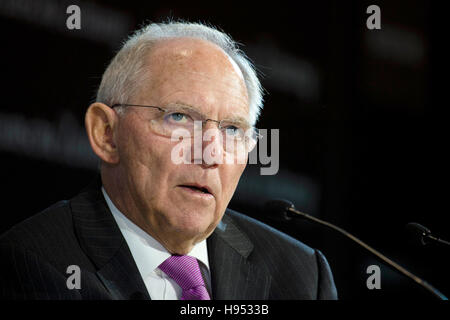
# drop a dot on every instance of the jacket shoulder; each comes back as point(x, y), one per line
point(298, 271)
point(48, 227)
point(258, 231)
point(48, 235)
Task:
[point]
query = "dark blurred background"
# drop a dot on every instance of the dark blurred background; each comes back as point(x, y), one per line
point(359, 112)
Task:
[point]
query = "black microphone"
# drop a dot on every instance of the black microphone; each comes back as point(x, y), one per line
point(287, 211)
point(425, 234)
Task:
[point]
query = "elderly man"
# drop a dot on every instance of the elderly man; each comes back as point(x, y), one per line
point(155, 223)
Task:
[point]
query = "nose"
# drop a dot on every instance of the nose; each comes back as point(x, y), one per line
point(208, 145)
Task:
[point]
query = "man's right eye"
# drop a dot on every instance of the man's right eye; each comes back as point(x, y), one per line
point(178, 117)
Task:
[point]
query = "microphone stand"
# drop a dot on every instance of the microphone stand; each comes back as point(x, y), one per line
point(292, 212)
point(434, 239)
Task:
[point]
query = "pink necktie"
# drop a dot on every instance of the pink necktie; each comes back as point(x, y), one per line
point(185, 271)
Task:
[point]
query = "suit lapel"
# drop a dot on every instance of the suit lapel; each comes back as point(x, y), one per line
point(233, 276)
point(102, 240)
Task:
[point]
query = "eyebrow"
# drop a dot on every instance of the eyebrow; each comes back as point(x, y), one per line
point(183, 107)
point(186, 107)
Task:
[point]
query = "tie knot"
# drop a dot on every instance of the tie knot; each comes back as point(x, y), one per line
point(184, 270)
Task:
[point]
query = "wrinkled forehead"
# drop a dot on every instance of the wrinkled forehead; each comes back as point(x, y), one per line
point(176, 56)
point(194, 51)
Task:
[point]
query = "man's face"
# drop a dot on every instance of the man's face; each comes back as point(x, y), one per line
point(196, 74)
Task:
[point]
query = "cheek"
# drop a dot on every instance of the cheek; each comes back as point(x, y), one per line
point(144, 157)
point(154, 159)
point(137, 144)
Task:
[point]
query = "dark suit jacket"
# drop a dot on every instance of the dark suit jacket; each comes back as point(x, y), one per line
point(248, 259)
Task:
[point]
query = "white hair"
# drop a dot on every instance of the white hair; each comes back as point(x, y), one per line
point(127, 70)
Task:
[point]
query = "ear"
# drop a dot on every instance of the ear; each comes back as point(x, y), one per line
point(101, 125)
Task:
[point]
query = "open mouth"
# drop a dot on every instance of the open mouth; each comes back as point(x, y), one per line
point(197, 189)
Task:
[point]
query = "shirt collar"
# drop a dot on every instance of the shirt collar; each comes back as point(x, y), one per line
point(147, 252)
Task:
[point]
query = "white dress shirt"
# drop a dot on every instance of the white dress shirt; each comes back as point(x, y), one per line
point(149, 254)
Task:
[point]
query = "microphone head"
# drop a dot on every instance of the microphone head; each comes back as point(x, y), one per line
point(418, 230)
point(279, 209)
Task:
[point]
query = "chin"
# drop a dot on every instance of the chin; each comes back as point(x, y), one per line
point(195, 223)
